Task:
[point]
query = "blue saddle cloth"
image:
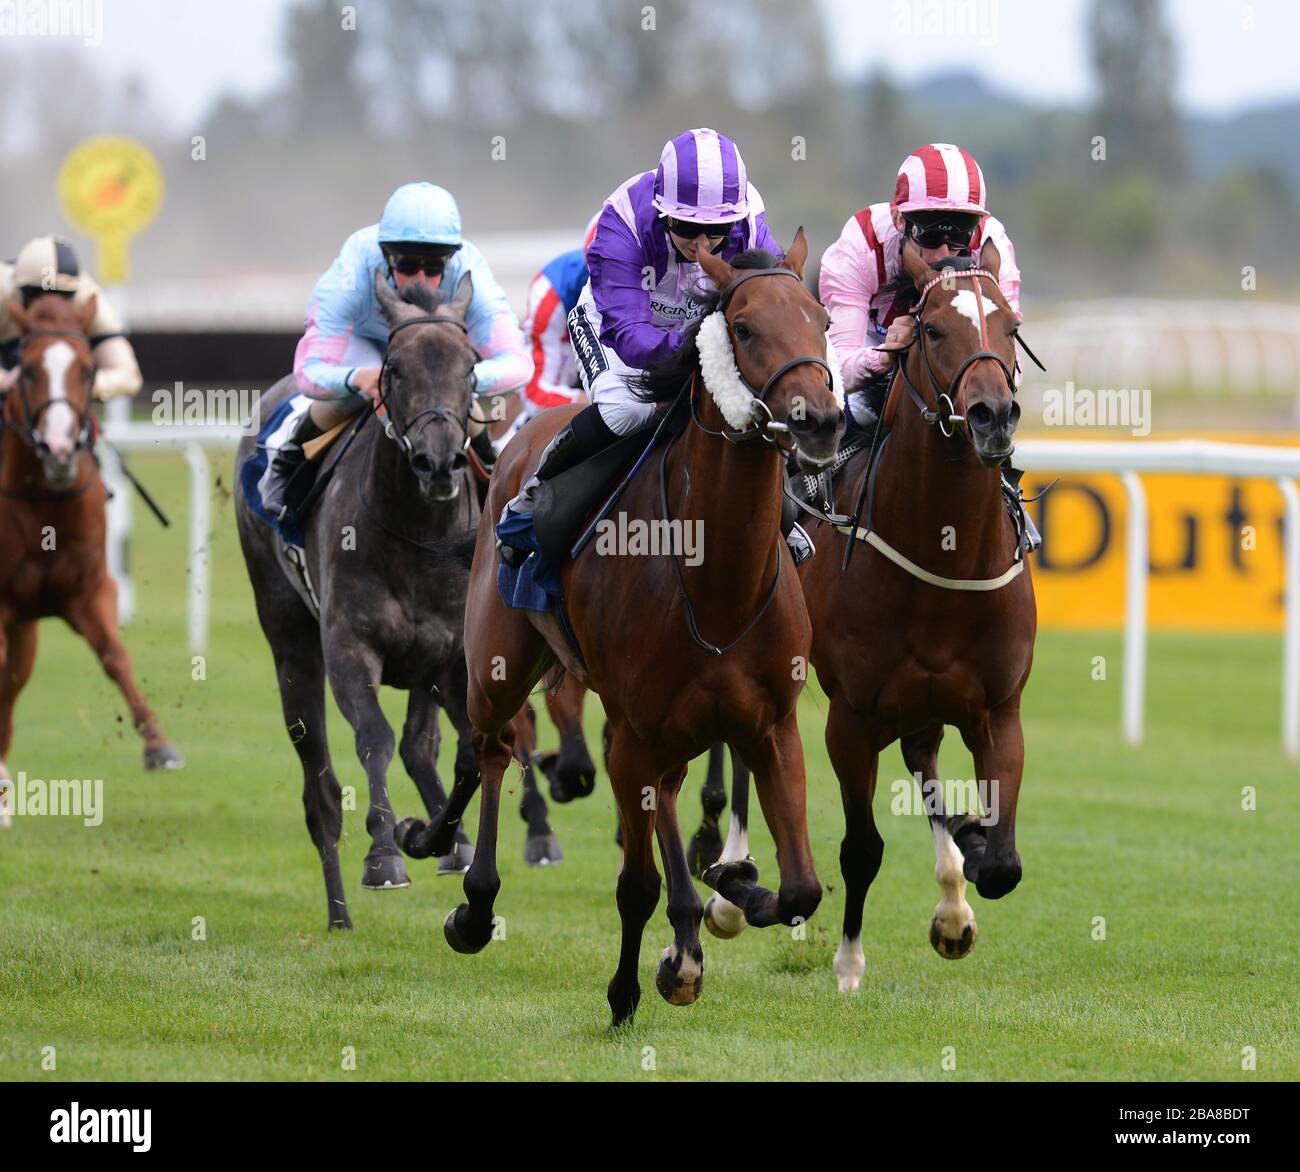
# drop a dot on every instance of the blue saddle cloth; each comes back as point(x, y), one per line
point(277, 426)
point(533, 585)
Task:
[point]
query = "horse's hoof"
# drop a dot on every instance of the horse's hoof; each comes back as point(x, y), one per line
point(679, 977)
point(384, 873)
point(576, 783)
point(407, 834)
point(547, 763)
point(723, 918)
point(542, 850)
point(6, 796)
point(953, 949)
point(704, 849)
point(745, 870)
point(164, 756)
point(458, 861)
point(454, 938)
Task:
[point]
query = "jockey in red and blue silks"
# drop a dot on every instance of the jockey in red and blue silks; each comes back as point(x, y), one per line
point(339, 358)
point(551, 297)
point(640, 299)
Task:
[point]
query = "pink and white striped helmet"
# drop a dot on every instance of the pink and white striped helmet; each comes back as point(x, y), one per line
point(939, 177)
point(701, 178)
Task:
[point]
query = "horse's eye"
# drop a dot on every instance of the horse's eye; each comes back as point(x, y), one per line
point(742, 332)
point(933, 334)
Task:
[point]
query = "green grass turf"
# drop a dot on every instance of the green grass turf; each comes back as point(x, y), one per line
point(97, 958)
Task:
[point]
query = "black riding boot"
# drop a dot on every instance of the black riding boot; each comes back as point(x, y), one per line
point(586, 434)
point(289, 478)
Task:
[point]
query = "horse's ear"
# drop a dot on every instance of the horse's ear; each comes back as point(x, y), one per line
point(17, 314)
point(797, 254)
point(389, 302)
point(914, 266)
point(460, 302)
point(716, 269)
point(86, 313)
point(990, 258)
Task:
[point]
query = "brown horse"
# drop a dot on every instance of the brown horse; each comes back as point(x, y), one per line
point(52, 516)
point(643, 624)
point(933, 621)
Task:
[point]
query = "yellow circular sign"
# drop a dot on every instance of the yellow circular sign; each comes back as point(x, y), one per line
point(111, 188)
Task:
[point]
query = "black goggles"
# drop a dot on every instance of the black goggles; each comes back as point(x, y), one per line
point(955, 235)
point(688, 231)
point(410, 263)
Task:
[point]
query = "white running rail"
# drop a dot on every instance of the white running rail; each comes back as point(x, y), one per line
point(1127, 459)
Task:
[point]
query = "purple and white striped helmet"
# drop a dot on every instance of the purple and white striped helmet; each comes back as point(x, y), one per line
point(701, 178)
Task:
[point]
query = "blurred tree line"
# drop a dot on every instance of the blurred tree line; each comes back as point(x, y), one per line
point(533, 112)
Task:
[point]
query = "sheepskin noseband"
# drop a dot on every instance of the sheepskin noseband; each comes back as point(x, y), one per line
point(722, 377)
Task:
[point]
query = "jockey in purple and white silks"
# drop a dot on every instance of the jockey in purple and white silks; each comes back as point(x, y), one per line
point(340, 355)
point(641, 296)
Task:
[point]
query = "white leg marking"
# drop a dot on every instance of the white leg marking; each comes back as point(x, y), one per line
point(850, 964)
point(725, 914)
point(953, 912)
point(737, 844)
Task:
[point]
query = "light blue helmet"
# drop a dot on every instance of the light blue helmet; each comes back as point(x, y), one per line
point(420, 213)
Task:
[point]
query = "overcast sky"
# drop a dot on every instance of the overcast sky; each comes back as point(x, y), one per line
point(189, 52)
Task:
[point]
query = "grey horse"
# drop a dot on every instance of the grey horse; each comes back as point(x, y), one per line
point(387, 552)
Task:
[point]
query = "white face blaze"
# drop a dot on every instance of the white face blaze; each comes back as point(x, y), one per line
point(963, 301)
point(59, 423)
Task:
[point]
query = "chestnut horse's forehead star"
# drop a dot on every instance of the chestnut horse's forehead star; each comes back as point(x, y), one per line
point(964, 302)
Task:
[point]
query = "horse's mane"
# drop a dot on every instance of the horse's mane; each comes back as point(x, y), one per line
point(662, 382)
point(425, 297)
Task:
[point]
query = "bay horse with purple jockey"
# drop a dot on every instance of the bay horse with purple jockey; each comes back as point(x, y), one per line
point(681, 655)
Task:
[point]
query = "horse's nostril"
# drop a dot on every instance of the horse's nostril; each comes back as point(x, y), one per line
point(421, 465)
point(459, 461)
point(979, 415)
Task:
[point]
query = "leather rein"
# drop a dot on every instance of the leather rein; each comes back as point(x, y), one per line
point(943, 415)
point(764, 429)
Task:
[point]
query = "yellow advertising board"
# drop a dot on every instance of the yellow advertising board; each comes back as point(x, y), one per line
point(1216, 552)
point(111, 188)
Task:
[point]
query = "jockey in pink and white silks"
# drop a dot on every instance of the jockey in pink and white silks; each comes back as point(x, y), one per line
point(939, 203)
point(339, 358)
point(640, 299)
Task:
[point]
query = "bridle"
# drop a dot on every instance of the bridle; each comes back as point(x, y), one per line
point(944, 413)
point(764, 429)
point(946, 421)
point(394, 429)
point(28, 425)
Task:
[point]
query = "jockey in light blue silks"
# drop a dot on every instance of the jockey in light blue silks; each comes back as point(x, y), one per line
point(339, 358)
point(652, 227)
